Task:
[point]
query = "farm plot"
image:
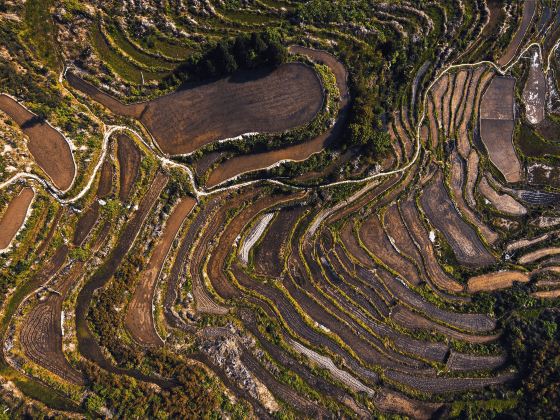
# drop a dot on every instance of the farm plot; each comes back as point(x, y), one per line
point(457, 182)
point(416, 322)
point(442, 385)
point(139, 316)
point(269, 256)
point(247, 102)
point(129, 157)
point(496, 281)
point(376, 242)
point(14, 216)
point(41, 331)
point(48, 146)
point(464, 241)
point(496, 127)
point(299, 152)
point(537, 255)
point(108, 101)
point(87, 344)
point(462, 362)
point(504, 203)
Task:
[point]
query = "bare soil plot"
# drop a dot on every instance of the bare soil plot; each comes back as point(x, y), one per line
point(547, 294)
point(442, 384)
point(501, 202)
point(206, 161)
point(446, 104)
point(246, 102)
point(534, 92)
point(472, 97)
point(496, 135)
point(139, 317)
point(497, 14)
point(105, 179)
point(537, 255)
point(529, 7)
point(434, 132)
point(464, 241)
point(524, 243)
point(45, 243)
point(461, 321)
point(299, 152)
point(496, 281)
point(114, 105)
point(392, 402)
point(85, 224)
point(403, 133)
point(41, 332)
point(204, 301)
point(49, 148)
point(250, 101)
point(219, 280)
point(253, 235)
point(463, 362)
point(376, 241)
point(457, 183)
point(323, 57)
point(497, 101)
point(459, 103)
point(129, 157)
point(14, 216)
point(176, 275)
point(269, 255)
point(496, 127)
point(472, 175)
point(414, 321)
point(411, 218)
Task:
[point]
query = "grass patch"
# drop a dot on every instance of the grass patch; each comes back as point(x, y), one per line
point(117, 63)
point(125, 45)
point(532, 145)
point(40, 33)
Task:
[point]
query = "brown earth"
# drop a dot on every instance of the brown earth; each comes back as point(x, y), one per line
point(495, 281)
point(85, 224)
point(462, 238)
point(129, 157)
point(14, 216)
point(48, 147)
point(457, 182)
point(497, 101)
point(536, 255)
point(251, 101)
point(139, 317)
point(547, 294)
point(105, 179)
point(496, 127)
point(298, 152)
point(114, 105)
point(248, 101)
point(501, 202)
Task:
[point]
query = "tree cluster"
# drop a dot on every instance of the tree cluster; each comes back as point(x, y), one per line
point(244, 52)
point(534, 346)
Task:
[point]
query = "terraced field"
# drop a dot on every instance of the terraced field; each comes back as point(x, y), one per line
point(280, 209)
